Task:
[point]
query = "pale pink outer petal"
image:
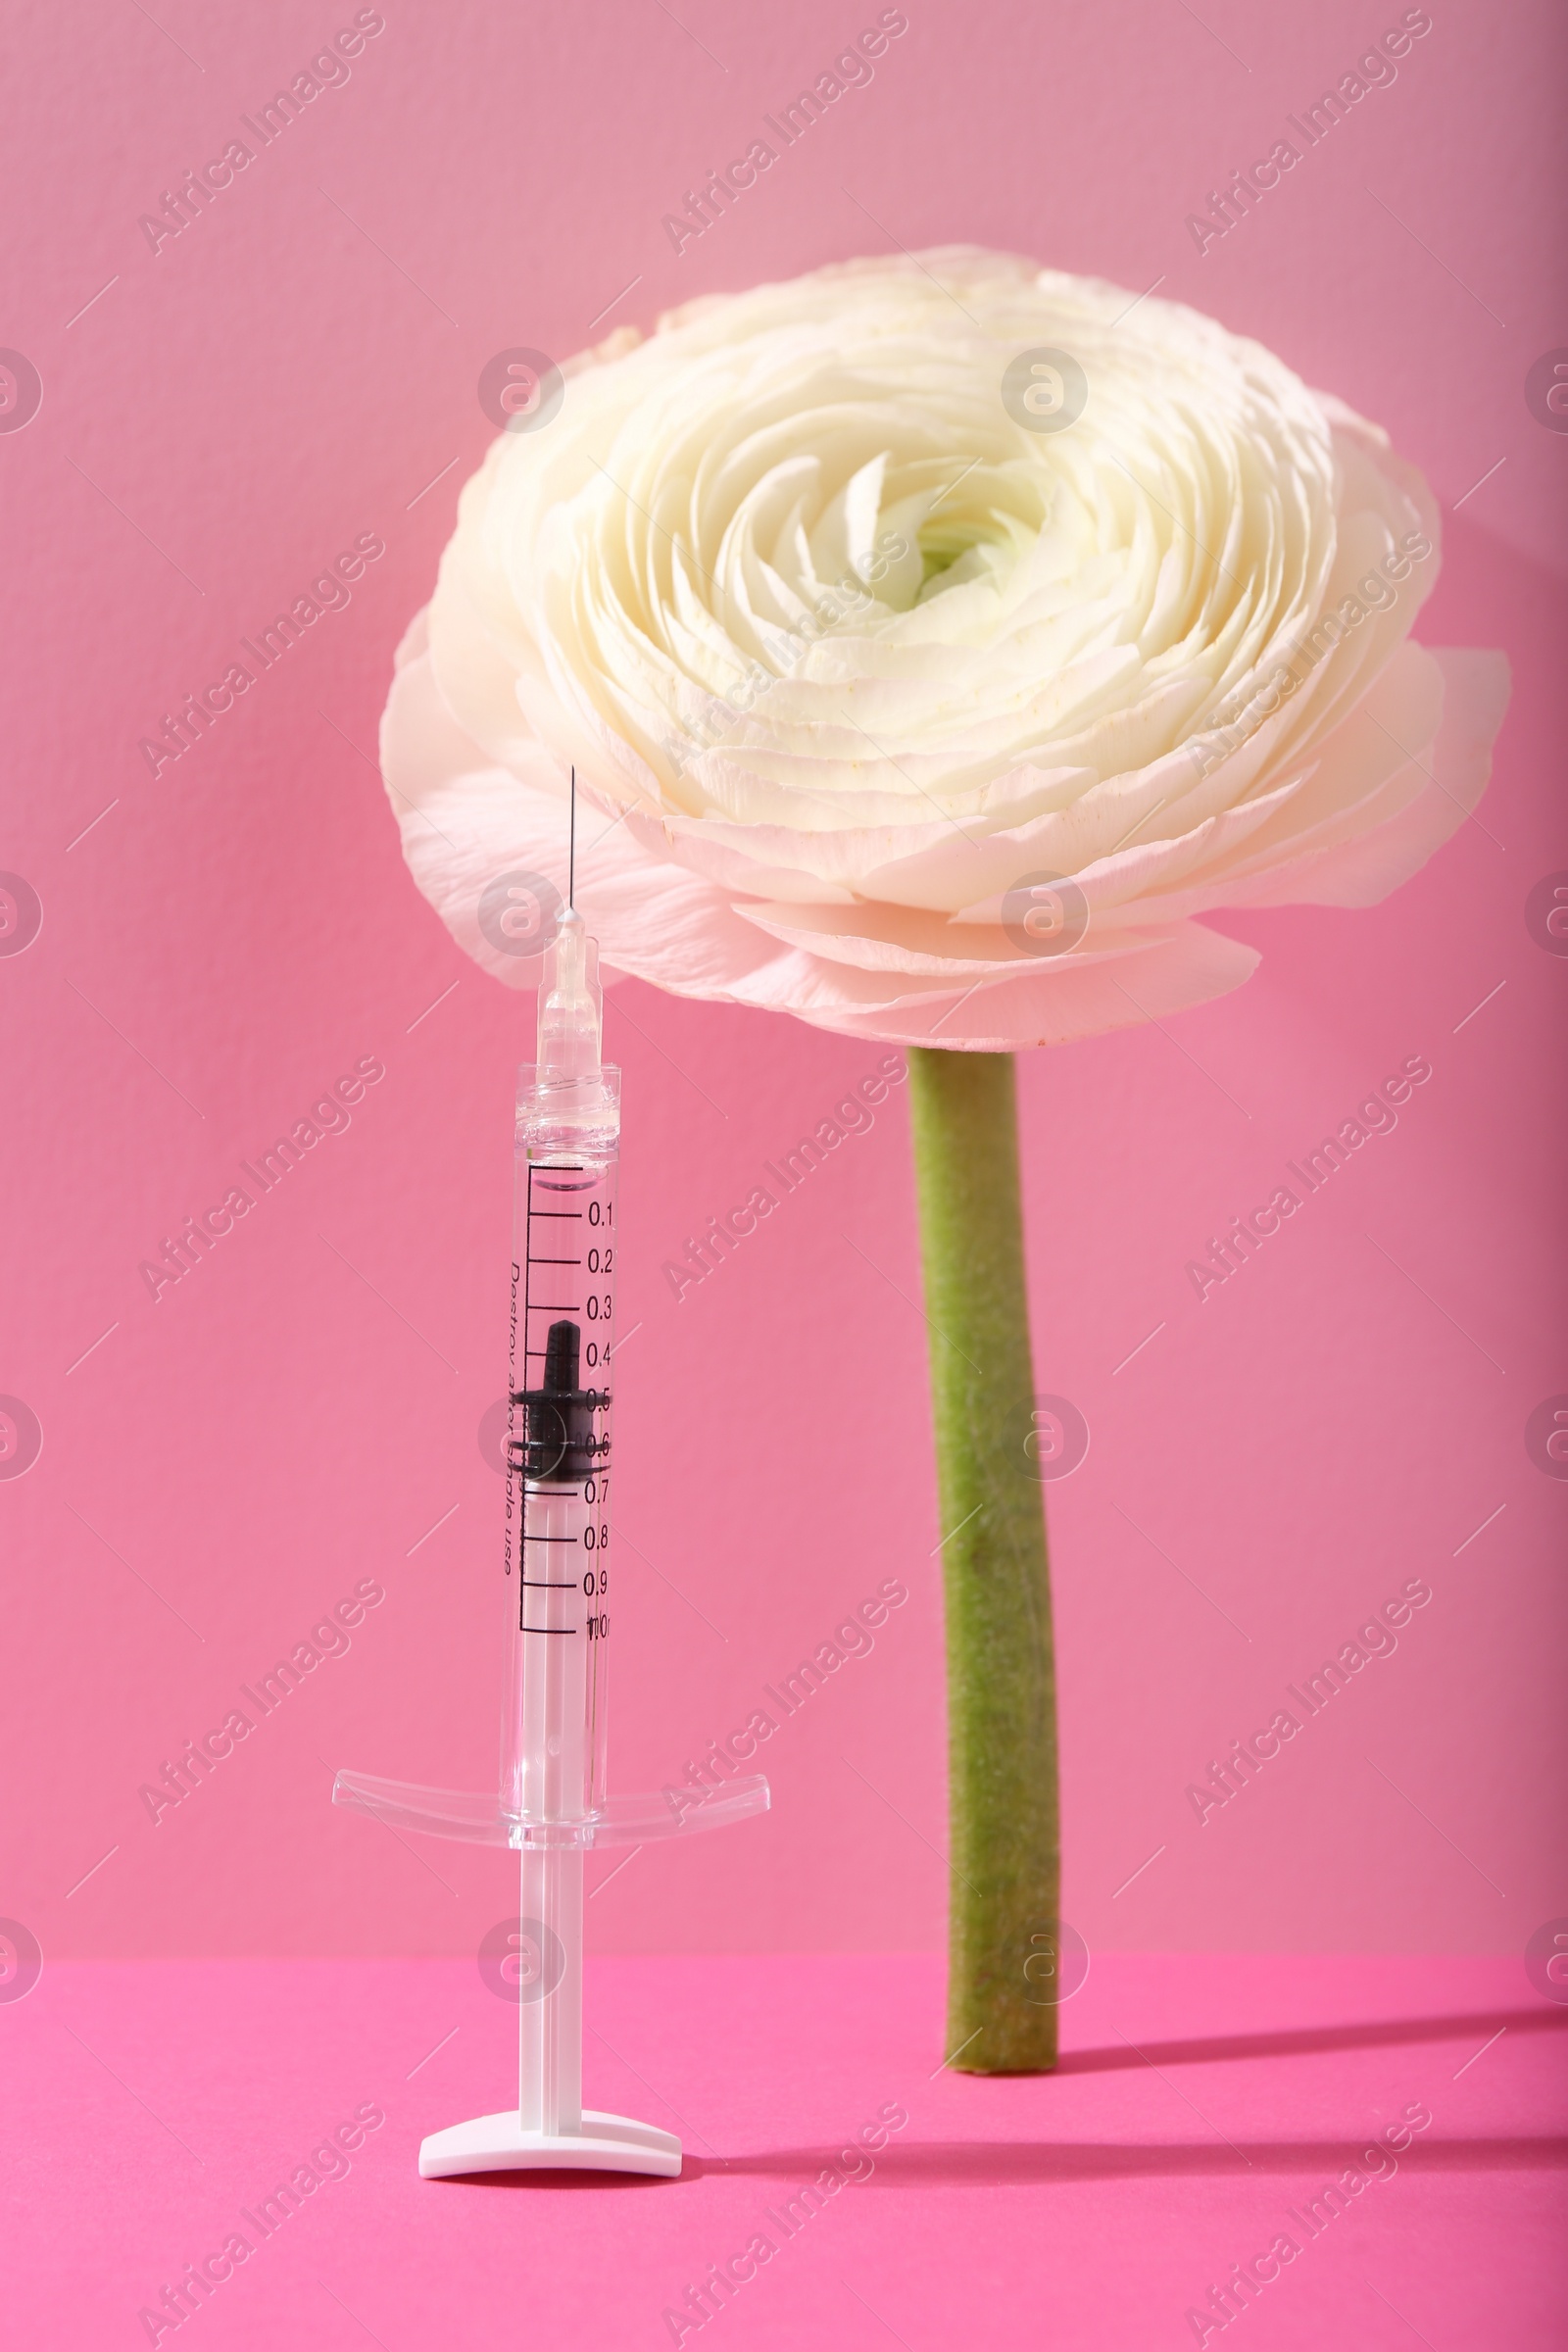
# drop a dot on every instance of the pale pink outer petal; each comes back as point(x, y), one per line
point(464, 820)
point(1456, 762)
point(1052, 1006)
point(892, 939)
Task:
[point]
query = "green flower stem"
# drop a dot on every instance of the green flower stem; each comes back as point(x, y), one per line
point(1001, 1688)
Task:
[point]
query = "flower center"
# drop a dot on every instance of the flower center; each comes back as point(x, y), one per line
point(953, 552)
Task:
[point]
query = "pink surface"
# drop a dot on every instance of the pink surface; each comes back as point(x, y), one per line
point(298, 369)
point(1202, 2107)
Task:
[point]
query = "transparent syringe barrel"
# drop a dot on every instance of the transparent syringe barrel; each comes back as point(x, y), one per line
point(557, 1553)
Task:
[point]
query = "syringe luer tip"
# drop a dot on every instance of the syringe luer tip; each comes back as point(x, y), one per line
point(569, 1001)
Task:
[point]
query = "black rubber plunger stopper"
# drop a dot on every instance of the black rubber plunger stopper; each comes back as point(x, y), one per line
point(560, 1448)
point(562, 1355)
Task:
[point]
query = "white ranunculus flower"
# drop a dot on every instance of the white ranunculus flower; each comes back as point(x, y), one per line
point(934, 640)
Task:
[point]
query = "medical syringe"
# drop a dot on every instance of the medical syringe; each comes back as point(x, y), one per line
point(556, 1554)
point(553, 1804)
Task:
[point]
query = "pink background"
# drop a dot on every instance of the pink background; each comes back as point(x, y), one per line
point(217, 945)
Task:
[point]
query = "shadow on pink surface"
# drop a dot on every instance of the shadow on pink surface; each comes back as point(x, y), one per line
point(1307, 2041)
point(1017, 2163)
point(1001, 2162)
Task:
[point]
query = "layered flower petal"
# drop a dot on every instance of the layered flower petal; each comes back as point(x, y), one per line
point(934, 640)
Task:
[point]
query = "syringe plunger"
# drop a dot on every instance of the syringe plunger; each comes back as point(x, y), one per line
point(563, 1353)
point(560, 1448)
